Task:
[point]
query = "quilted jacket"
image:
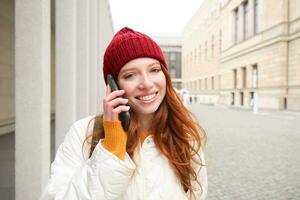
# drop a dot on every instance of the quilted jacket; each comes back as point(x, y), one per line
point(103, 176)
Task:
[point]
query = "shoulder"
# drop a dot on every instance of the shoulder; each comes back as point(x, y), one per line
point(77, 134)
point(81, 128)
point(84, 123)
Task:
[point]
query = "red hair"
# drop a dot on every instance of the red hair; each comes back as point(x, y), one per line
point(176, 134)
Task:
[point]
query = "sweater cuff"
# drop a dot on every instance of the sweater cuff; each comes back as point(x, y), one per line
point(115, 138)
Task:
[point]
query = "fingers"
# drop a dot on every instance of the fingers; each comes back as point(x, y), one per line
point(114, 104)
point(116, 111)
point(112, 95)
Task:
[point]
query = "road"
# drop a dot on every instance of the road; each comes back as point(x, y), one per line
point(251, 156)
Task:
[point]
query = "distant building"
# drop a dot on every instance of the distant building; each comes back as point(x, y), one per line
point(171, 47)
point(244, 53)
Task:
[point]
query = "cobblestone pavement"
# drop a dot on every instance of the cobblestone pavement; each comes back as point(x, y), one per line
point(251, 156)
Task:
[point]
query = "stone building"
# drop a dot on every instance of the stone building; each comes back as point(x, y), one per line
point(171, 47)
point(244, 53)
point(50, 73)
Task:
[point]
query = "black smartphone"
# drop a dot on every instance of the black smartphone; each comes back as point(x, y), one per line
point(123, 116)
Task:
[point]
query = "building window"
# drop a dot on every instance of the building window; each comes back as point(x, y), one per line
point(212, 83)
point(244, 76)
point(212, 45)
point(236, 23)
point(205, 53)
point(255, 16)
point(200, 85)
point(246, 11)
point(254, 76)
point(172, 56)
point(173, 71)
point(234, 78)
point(242, 98)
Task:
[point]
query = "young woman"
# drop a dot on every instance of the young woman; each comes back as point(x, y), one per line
point(160, 155)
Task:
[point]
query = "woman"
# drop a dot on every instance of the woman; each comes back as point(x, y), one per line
point(159, 157)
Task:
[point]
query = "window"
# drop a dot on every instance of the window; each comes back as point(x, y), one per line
point(255, 16)
point(246, 11)
point(173, 71)
point(234, 79)
point(242, 98)
point(254, 76)
point(212, 83)
point(212, 45)
point(172, 56)
point(244, 76)
point(236, 23)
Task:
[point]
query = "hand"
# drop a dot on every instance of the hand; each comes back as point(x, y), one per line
point(113, 104)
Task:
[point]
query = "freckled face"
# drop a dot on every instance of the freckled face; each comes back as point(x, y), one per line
point(144, 83)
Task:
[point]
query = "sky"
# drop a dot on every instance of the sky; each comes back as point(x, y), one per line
point(153, 17)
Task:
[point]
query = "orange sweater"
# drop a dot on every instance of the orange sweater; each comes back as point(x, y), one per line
point(115, 138)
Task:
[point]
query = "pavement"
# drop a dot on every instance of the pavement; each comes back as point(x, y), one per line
point(249, 156)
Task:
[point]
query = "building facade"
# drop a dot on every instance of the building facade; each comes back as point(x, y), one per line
point(244, 53)
point(171, 47)
point(50, 72)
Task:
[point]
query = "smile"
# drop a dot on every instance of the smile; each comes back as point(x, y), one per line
point(147, 98)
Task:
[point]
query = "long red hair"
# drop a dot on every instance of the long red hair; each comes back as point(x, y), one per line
point(176, 134)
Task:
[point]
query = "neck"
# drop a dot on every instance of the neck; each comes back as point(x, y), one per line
point(145, 121)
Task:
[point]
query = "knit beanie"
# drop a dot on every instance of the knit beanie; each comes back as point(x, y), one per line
point(127, 45)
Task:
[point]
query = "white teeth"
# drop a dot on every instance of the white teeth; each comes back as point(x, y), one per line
point(147, 98)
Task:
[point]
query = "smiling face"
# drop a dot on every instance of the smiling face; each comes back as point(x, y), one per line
point(144, 83)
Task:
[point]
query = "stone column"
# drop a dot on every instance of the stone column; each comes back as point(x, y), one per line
point(32, 100)
point(82, 58)
point(241, 23)
point(65, 98)
point(251, 17)
point(105, 32)
point(94, 56)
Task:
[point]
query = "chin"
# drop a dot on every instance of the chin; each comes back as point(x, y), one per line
point(146, 110)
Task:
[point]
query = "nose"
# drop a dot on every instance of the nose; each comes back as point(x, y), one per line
point(146, 82)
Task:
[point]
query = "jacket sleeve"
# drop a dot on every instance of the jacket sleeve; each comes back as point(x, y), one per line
point(103, 176)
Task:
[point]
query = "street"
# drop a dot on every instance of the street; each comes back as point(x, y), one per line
point(251, 156)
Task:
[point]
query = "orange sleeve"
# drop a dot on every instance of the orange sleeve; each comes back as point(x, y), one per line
point(115, 138)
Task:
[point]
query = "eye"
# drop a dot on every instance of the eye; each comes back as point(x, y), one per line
point(156, 69)
point(128, 76)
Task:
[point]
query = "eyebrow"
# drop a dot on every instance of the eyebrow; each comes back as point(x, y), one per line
point(154, 63)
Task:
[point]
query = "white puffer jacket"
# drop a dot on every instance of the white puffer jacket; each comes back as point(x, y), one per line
point(104, 176)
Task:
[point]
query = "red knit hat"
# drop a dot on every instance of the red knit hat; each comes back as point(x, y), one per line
point(127, 45)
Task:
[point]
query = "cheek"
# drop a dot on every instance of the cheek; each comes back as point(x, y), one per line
point(128, 89)
point(162, 82)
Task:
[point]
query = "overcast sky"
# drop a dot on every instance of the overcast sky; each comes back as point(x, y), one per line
point(153, 17)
